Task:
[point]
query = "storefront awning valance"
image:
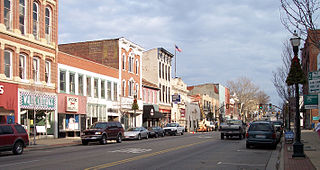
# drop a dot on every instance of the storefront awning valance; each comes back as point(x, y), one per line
point(151, 112)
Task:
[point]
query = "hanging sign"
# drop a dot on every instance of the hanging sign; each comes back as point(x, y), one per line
point(72, 104)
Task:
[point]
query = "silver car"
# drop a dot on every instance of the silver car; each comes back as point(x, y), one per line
point(136, 133)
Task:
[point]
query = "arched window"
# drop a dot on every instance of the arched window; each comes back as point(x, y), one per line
point(22, 16)
point(8, 14)
point(48, 24)
point(35, 20)
point(137, 67)
point(123, 61)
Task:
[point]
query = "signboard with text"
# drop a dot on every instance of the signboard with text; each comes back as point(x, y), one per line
point(314, 82)
point(72, 104)
point(310, 101)
point(40, 101)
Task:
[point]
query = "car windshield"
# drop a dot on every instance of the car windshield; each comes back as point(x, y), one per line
point(133, 129)
point(171, 125)
point(234, 122)
point(260, 127)
point(98, 126)
point(277, 123)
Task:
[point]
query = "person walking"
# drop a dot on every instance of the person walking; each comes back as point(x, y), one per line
point(317, 128)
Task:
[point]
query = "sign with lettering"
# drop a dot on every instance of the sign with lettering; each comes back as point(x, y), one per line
point(1, 89)
point(72, 104)
point(40, 101)
point(314, 82)
point(310, 101)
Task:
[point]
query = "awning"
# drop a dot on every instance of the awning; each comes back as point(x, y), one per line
point(151, 112)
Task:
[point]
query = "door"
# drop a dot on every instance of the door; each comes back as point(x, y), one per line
point(6, 136)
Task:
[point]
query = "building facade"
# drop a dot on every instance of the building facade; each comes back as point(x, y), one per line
point(179, 97)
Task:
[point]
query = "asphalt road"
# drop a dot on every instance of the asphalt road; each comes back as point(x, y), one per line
point(189, 151)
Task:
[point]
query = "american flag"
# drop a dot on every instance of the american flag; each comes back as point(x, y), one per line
point(178, 49)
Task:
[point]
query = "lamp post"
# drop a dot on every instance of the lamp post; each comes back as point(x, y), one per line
point(296, 77)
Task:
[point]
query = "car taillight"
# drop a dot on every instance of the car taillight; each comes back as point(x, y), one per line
point(274, 135)
point(247, 135)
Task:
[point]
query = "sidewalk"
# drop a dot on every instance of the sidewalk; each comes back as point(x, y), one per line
point(53, 143)
point(311, 143)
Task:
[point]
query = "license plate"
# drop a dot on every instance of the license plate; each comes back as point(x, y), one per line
point(260, 136)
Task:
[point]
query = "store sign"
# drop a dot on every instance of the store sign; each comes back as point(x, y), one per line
point(310, 101)
point(39, 101)
point(176, 98)
point(72, 104)
point(314, 82)
point(182, 112)
point(1, 89)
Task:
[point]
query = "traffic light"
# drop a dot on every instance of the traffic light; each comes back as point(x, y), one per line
point(270, 106)
point(260, 106)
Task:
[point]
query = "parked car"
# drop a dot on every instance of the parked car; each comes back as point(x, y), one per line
point(13, 137)
point(136, 133)
point(173, 129)
point(279, 127)
point(261, 133)
point(156, 131)
point(233, 127)
point(103, 131)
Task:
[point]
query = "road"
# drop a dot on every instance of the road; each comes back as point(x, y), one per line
point(189, 151)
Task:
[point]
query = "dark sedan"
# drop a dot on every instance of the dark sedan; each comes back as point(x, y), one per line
point(261, 133)
point(156, 131)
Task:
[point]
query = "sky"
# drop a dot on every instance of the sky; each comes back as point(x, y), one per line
point(221, 40)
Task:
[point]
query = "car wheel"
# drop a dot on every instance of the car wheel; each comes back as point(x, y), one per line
point(17, 148)
point(182, 133)
point(175, 133)
point(103, 140)
point(139, 137)
point(222, 136)
point(247, 146)
point(163, 134)
point(84, 142)
point(156, 135)
point(119, 138)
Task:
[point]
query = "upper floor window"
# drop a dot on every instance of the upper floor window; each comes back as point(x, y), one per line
point(123, 61)
point(103, 89)
point(35, 20)
point(8, 14)
point(35, 69)
point(22, 66)
point(130, 87)
point(22, 16)
point(115, 92)
point(159, 69)
point(160, 92)
point(96, 89)
point(137, 67)
point(109, 90)
point(62, 81)
point(123, 88)
point(169, 70)
point(80, 84)
point(48, 72)
point(8, 63)
point(89, 86)
point(166, 75)
point(48, 24)
point(137, 89)
point(162, 70)
point(72, 83)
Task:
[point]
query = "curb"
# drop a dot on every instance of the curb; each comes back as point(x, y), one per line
point(53, 146)
point(274, 161)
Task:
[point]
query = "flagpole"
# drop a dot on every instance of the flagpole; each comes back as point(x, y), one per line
point(175, 62)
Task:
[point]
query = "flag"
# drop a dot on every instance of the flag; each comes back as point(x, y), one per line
point(178, 49)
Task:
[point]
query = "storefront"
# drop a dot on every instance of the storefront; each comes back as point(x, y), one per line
point(39, 110)
point(8, 103)
point(166, 111)
point(72, 115)
point(151, 116)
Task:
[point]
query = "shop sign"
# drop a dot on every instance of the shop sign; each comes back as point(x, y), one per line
point(72, 104)
point(182, 112)
point(1, 89)
point(310, 101)
point(176, 98)
point(39, 101)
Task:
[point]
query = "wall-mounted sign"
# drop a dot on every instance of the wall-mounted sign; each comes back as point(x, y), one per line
point(1, 89)
point(176, 98)
point(310, 101)
point(40, 101)
point(72, 104)
point(182, 112)
point(314, 82)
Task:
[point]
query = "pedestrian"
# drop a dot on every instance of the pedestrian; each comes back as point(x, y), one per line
point(318, 128)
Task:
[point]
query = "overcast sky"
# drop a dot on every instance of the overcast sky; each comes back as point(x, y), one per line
point(221, 40)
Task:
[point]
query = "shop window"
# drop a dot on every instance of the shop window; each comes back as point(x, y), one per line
point(22, 16)
point(115, 91)
point(96, 89)
point(62, 81)
point(109, 90)
point(72, 81)
point(80, 84)
point(103, 89)
point(22, 66)
point(48, 24)
point(48, 72)
point(8, 63)
point(35, 69)
point(35, 20)
point(89, 87)
point(8, 14)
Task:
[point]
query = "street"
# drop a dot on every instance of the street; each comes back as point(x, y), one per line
point(189, 151)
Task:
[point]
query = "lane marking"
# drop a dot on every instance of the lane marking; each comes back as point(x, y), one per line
point(12, 164)
point(132, 150)
point(143, 156)
point(236, 164)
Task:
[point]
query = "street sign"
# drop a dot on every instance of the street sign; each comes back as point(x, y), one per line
point(176, 98)
point(310, 101)
point(314, 82)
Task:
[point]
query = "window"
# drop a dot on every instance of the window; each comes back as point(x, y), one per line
point(22, 66)
point(48, 24)
point(162, 70)
point(166, 94)
point(96, 89)
point(89, 86)
point(159, 69)
point(160, 92)
point(137, 89)
point(48, 71)
point(8, 14)
point(115, 92)
point(166, 75)
point(72, 84)
point(169, 70)
point(163, 93)
point(8, 64)
point(151, 96)
point(35, 69)
point(123, 87)
point(137, 67)
point(80, 83)
point(22, 16)
point(109, 90)
point(62, 81)
point(131, 85)
point(103, 89)
point(169, 95)
point(35, 17)
point(123, 61)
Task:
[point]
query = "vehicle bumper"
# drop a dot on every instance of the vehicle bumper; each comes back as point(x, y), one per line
point(261, 142)
point(231, 133)
point(91, 138)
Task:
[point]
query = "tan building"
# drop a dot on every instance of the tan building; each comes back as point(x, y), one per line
point(179, 94)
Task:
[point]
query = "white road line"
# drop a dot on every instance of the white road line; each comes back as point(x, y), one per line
point(237, 164)
point(18, 163)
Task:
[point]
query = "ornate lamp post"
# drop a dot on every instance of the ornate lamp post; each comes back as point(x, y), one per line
point(296, 77)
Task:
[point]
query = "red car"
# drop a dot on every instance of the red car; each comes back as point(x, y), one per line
point(13, 137)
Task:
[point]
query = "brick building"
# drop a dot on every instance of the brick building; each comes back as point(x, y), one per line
point(28, 48)
point(125, 56)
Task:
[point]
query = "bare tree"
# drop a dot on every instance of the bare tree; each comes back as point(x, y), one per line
point(302, 15)
point(262, 97)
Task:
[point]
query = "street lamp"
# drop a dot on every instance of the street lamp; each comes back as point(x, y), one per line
point(296, 77)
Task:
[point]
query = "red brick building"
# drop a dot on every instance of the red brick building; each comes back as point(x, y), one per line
point(28, 48)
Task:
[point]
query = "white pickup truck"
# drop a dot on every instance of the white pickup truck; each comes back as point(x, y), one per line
point(173, 129)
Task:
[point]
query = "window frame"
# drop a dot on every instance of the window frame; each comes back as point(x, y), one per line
point(48, 26)
point(103, 89)
point(36, 77)
point(23, 69)
point(109, 90)
point(96, 87)
point(47, 71)
point(35, 21)
point(115, 91)
point(9, 17)
point(64, 82)
point(22, 27)
point(80, 85)
point(72, 85)
point(8, 65)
